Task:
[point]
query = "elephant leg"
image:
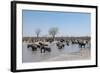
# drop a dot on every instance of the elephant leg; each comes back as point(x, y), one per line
point(84, 46)
point(81, 46)
point(41, 50)
point(32, 49)
point(44, 50)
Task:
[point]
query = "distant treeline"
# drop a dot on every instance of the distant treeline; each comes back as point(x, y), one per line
point(56, 38)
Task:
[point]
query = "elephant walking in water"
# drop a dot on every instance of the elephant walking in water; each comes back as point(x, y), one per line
point(82, 44)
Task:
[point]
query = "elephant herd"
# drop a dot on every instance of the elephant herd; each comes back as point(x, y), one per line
point(44, 46)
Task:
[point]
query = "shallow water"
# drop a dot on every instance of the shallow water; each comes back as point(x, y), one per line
point(36, 56)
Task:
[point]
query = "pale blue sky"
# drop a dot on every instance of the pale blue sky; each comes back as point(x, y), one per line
point(68, 23)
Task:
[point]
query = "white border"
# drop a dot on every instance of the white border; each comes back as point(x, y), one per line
point(21, 65)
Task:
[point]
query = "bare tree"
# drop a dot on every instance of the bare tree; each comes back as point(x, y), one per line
point(37, 32)
point(53, 31)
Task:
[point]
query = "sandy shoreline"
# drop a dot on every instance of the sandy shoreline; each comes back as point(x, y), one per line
point(84, 54)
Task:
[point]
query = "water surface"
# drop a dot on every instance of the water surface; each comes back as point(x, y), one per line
point(36, 56)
